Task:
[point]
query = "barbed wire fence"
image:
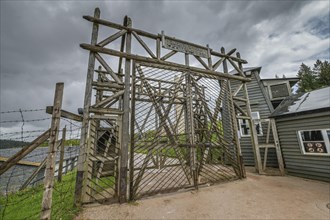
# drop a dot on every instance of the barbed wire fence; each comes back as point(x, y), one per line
point(21, 186)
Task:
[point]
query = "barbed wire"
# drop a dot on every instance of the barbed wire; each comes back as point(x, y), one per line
point(32, 120)
point(24, 110)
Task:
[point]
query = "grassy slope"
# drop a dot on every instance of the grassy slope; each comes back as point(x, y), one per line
point(26, 204)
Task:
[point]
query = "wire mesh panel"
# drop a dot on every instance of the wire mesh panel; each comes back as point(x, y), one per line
point(183, 134)
point(102, 159)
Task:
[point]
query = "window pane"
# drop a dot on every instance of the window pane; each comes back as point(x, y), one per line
point(328, 133)
point(311, 135)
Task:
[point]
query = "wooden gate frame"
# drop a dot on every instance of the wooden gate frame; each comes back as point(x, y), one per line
point(119, 82)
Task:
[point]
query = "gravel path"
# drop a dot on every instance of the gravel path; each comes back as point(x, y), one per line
point(256, 197)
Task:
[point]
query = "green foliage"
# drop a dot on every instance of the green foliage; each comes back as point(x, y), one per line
point(26, 204)
point(311, 79)
point(72, 142)
point(12, 144)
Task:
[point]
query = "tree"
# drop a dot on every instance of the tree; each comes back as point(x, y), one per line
point(311, 79)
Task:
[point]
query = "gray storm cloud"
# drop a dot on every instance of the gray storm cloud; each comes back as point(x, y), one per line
point(40, 40)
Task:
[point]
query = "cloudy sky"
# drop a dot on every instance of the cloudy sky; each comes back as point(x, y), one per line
point(39, 40)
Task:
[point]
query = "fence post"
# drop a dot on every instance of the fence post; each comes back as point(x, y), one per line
point(50, 167)
point(60, 165)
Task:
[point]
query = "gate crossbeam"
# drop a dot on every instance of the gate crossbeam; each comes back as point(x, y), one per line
point(173, 126)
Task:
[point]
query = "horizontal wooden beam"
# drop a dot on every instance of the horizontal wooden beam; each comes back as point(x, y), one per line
point(23, 152)
point(22, 162)
point(119, 26)
point(179, 67)
point(157, 36)
point(65, 114)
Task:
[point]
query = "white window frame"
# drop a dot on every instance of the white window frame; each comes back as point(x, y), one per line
point(240, 121)
point(325, 140)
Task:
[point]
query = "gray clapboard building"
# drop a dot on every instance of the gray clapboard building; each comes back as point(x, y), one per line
point(303, 125)
point(264, 95)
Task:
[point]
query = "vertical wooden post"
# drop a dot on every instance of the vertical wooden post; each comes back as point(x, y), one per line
point(234, 122)
point(277, 147)
point(60, 166)
point(131, 153)
point(190, 124)
point(50, 167)
point(254, 137)
point(82, 159)
point(125, 127)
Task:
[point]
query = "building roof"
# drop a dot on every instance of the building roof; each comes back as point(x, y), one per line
point(314, 101)
point(245, 69)
point(292, 80)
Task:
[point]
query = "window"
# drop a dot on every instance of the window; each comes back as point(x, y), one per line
point(315, 142)
point(245, 127)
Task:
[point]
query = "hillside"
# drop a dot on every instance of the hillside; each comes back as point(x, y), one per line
point(11, 144)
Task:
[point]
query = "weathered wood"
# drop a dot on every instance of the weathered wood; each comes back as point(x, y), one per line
point(254, 137)
point(82, 164)
point(220, 61)
point(202, 62)
point(109, 99)
point(34, 174)
point(278, 148)
point(108, 85)
point(50, 164)
point(113, 111)
point(234, 118)
point(132, 131)
point(112, 38)
point(179, 67)
point(119, 27)
point(126, 115)
point(108, 68)
point(22, 162)
point(156, 36)
point(23, 152)
point(168, 55)
point(65, 114)
point(143, 44)
point(60, 164)
point(240, 99)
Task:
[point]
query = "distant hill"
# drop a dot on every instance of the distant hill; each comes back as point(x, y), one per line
point(11, 144)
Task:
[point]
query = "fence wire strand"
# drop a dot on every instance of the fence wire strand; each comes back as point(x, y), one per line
point(18, 129)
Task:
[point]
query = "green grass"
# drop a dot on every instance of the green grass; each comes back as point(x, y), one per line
point(26, 204)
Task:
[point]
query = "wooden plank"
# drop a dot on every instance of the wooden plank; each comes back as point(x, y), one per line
point(60, 164)
point(202, 62)
point(179, 67)
point(278, 147)
point(82, 164)
point(168, 55)
point(50, 164)
point(65, 114)
point(113, 111)
point(219, 62)
point(108, 85)
point(125, 122)
point(112, 38)
point(34, 174)
point(119, 27)
point(143, 44)
point(108, 99)
point(156, 36)
point(132, 130)
point(23, 152)
point(108, 68)
point(22, 162)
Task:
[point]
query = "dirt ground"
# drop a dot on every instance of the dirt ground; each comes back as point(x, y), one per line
point(256, 197)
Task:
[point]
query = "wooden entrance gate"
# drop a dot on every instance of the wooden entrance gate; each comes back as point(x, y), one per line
point(155, 123)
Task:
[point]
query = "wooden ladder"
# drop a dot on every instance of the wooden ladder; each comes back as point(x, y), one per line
point(271, 126)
